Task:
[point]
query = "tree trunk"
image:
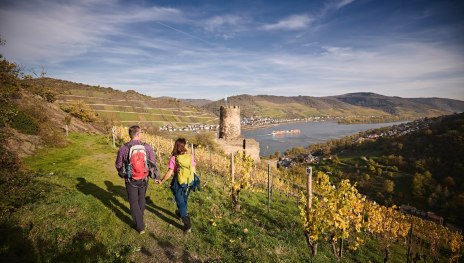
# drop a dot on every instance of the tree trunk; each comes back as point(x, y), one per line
point(340, 252)
point(311, 245)
point(335, 250)
point(387, 255)
point(408, 257)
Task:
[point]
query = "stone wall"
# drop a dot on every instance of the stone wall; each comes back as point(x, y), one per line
point(236, 145)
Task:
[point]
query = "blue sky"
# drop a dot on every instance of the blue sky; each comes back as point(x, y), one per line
point(214, 49)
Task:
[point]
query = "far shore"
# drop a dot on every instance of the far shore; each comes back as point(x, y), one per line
point(250, 128)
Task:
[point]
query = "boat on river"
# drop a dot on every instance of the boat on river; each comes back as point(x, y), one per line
point(282, 132)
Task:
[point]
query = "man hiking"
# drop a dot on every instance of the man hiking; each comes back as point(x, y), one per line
point(132, 165)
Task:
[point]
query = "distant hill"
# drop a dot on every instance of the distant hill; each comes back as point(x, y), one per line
point(403, 106)
point(197, 102)
point(443, 104)
point(132, 107)
point(128, 107)
point(349, 106)
point(291, 107)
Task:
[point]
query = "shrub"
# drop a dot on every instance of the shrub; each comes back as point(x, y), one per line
point(17, 186)
point(203, 139)
point(80, 110)
point(9, 73)
point(6, 113)
point(24, 123)
point(47, 94)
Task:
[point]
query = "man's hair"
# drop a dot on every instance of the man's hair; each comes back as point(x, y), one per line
point(179, 147)
point(133, 131)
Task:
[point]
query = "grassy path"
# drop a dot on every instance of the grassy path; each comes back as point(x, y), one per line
point(84, 217)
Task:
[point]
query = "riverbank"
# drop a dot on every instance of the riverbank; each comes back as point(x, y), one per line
point(339, 120)
point(256, 127)
point(311, 133)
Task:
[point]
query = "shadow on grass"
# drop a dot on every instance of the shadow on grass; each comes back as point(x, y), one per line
point(106, 197)
point(15, 246)
point(84, 248)
point(164, 214)
point(170, 251)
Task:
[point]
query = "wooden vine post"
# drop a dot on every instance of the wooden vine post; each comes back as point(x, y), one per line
point(158, 148)
point(209, 167)
point(309, 199)
point(309, 188)
point(268, 186)
point(113, 135)
point(232, 179)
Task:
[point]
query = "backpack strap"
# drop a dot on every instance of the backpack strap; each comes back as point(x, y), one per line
point(129, 146)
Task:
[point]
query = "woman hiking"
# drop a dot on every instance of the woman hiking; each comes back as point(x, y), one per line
point(182, 165)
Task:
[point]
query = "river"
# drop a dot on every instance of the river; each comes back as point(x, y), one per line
point(311, 133)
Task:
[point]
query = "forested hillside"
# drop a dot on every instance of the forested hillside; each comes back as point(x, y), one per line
point(419, 164)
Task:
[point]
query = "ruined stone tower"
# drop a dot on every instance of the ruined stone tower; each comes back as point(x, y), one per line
point(229, 122)
point(230, 139)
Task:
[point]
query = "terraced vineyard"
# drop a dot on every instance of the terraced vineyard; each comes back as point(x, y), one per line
point(128, 107)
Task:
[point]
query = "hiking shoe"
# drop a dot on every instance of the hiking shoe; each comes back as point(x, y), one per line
point(178, 215)
point(187, 224)
point(142, 232)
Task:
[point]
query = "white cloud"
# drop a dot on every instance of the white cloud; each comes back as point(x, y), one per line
point(226, 26)
point(409, 69)
point(168, 58)
point(294, 22)
point(334, 5)
point(217, 22)
point(341, 3)
point(55, 31)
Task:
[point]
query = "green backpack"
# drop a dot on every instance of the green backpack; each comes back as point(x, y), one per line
point(185, 169)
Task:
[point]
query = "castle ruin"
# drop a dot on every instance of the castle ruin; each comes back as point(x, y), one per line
point(230, 138)
point(229, 122)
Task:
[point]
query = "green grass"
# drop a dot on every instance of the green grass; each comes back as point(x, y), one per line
point(83, 216)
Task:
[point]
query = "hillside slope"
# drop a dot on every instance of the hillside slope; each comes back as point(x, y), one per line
point(416, 163)
point(128, 107)
point(292, 107)
point(84, 217)
point(403, 106)
point(28, 118)
point(197, 102)
point(50, 121)
point(361, 105)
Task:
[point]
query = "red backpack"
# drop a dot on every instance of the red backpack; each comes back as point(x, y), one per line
point(137, 166)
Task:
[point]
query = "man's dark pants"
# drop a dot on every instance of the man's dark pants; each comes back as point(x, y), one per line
point(136, 193)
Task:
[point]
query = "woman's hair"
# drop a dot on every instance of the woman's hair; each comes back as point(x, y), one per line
point(179, 147)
